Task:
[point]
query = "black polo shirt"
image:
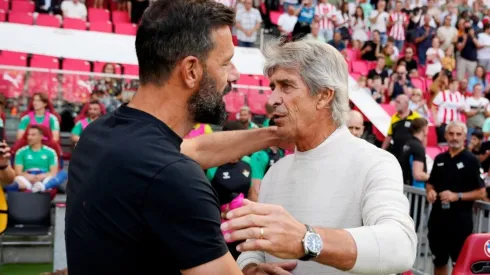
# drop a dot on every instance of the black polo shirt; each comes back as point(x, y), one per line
point(469, 50)
point(135, 204)
point(484, 147)
point(461, 173)
point(413, 150)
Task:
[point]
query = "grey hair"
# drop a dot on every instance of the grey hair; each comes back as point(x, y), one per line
point(321, 67)
point(457, 124)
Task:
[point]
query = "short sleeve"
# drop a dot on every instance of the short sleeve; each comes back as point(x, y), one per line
point(390, 129)
point(19, 157)
point(418, 153)
point(53, 158)
point(77, 130)
point(54, 123)
point(258, 164)
point(476, 174)
point(182, 210)
point(24, 123)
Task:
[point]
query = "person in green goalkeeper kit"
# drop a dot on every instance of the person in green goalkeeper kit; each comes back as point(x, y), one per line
point(94, 111)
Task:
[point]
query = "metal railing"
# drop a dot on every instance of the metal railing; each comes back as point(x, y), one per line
point(420, 210)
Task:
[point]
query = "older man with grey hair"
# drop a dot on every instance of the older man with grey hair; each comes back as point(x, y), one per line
point(312, 207)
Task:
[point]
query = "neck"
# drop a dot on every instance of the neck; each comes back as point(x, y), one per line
point(455, 151)
point(40, 112)
point(162, 103)
point(404, 113)
point(314, 135)
point(419, 136)
point(36, 146)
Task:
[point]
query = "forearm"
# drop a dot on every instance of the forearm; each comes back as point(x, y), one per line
point(474, 195)
point(339, 249)
point(216, 149)
point(386, 143)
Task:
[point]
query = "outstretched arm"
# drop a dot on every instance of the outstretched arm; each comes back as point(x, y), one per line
point(216, 149)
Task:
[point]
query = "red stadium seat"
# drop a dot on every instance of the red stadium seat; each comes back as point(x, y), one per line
point(390, 109)
point(125, 28)
point(22, 6)
point(101, 26)
point(99, 66)
point(11, 82)
point(47, 140)
point(418, 83)
point(257, 100)
point(20, 18)
point(432, 136)
point(120, 17)
point(274, 16)
point(234, 100)
point(248, 80)
point(44, 61)
point(98, 15)
point(74, 24)
point(3, 16)
point(353, 54)
point(131, 70)
point(13, 58)
point(46, 82)
point(4, 5)
point(83, 113)
point(76, 88)
point(76, 65)
point(360, 67)
point(474, 258)
point(47, 20)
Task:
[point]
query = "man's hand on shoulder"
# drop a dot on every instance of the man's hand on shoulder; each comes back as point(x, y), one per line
point(270, 268)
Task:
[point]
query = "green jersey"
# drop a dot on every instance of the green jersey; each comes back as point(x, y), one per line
point(266, 122)
point(78, 129)
point(261, 161)
point(212, 171)
point(43, 159)
point(252, 125)
point(54, 124)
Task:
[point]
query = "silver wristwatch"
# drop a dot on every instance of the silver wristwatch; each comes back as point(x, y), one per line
point(312, 243)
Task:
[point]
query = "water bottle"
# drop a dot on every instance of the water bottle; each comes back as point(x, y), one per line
point(445, 205)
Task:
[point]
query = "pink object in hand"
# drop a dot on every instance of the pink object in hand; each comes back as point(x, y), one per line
point(234, 204)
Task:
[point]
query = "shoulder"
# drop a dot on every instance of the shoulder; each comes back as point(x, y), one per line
point(52, 116)
point(413, 115)
point(49, 150)
point(25, 117)
point(470, 157)
point(22, 150)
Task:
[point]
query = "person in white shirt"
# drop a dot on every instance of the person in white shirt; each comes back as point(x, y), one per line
point(477, 109)
point(379, 21)
point(447, 34)
point(286, 21)
point(247, 24)
point(353, 222)
point(74, 9)
point(484, 52)
point(434, 57)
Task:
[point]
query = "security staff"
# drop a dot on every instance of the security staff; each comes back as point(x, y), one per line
point(412, 160)
point(456, 180)
point(399, 125)
point(231, 179)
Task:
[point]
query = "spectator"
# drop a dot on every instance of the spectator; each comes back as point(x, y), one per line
point(362, 82)
point(325, 13)
point(74, 9)
point(138, 7)
point(474, 144)
point(435, 12)
point(109, 89)
point(447, 106)
point(245, 117)
point(337, 43)
point(48, 6)
point(423, 38)
point(410, 62)
point(398, 22)
point(305, 13)
point(40, 115)
point(447, 33)
point(440, 82)
point(94, 112)
point(380, 71)
point(456, 180)
point(377, 89)
point(390, 52)
point(417, 103)
point(36, 165)
point(434, 58)
point(449, 62)
point(269, 110)
point(452, 12)
point(342, 22)
point(355, 123)
point(379, 21)
point(477, 109)
point(315, 33)
point(479, 77)
point(467, 45)
point(483, 53)
point(248, 23)
point(371, 49)
point(413, 161)
point(399, 84)
point(359, 26)
point(398, 132)
point(286, 22)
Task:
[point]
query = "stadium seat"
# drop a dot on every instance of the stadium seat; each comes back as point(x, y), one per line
point(47, 20)
point(101, 26)
point(131, 70)
point(360, 67)
point(99, 66)
point(234, 100)
point(22, 6)
point(3, 16)
point(98, 15)
point(74, 24)
point(390, 109)
point(4, 5)
point(13, 58)
point(248, 80)
point(76, 65)
point(11, 82)
point(20, 18)
point(474, 258)
point(257, 100)
point(83, 113)
point(120, 17)
point(432, 136)
point(353, 54)
point(44, 81)
point(76, 88)
point(274, 16)
point(44, 61)
point(125, 28)
point(418, 83)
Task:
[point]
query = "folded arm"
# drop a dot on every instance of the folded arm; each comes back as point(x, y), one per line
point(216, 149)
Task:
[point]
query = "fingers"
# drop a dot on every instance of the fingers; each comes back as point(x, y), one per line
point(245, 234)
point(250, 207)
point(287, 265)
point(251, 220)
point(254, 245)
point(273, 269)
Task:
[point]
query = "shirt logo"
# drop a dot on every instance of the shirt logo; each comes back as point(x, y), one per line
point(44, 157)
point(226, 175)
point(406, 148)
point(407, 124)
point(460, 165)
point(29, 156)
point(440, 164)
point(246, 173)
point(271, 162)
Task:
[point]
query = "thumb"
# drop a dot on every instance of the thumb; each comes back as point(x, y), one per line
point(287, 265)
point(247, 202)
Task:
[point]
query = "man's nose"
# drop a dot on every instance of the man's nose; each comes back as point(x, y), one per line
point(274, 98)
point(233, 74)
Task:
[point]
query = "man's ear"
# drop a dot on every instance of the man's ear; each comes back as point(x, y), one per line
point(191, 71)
point(325, 98)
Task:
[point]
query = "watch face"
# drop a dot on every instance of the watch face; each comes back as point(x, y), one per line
point(314, 243)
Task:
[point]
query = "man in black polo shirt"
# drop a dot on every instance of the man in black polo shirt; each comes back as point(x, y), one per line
point(399, 126)
point(135, 204)
point(467, 46)
point(456, 180)
point(412, 160)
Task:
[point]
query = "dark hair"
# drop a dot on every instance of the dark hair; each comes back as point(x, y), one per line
point(94, 102)
point(38, 128)
point(233, 126)
point(478, 134)
point(417, 125)
point(171, 30)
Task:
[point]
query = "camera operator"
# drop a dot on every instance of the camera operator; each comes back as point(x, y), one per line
point(467, 46)
point(400, 83)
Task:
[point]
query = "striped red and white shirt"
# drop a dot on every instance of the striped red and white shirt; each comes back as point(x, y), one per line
point(447, 104)
point(398, 28)
point(325, 10)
